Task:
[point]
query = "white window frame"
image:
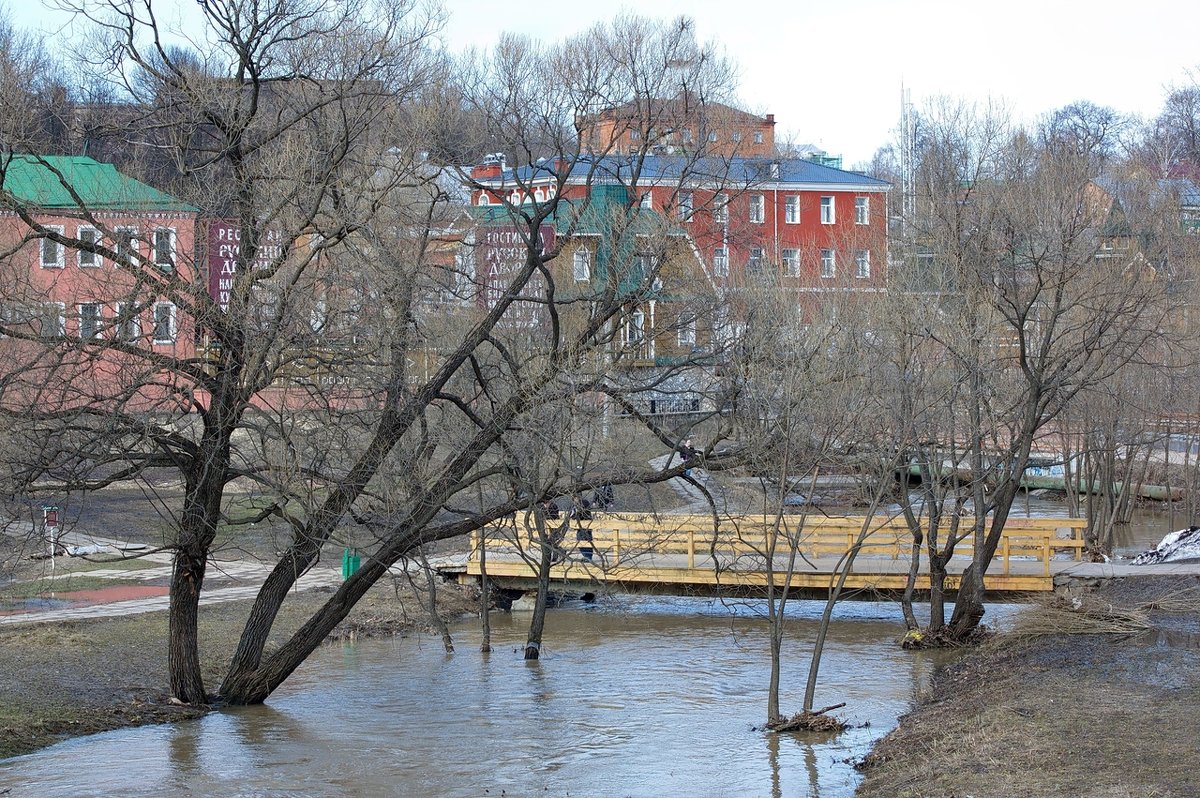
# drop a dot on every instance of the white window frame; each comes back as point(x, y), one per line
point(635, 328)
point(758, 208)
point(862, 210)
point(737, 136)
point(712, 136)
point(757, 256)
point(685, 135)
point(720, 212)
point(791, 262)
point(47, 246)
point(862, 264)
point(828, 210)
point(758, 137)
point(172, 330)
point(791, 209)
point(686, 335)
point(686, 202)
point(828, 263)
point(646, 200)
point(635, 134)
point(129, 329)
point(98, 321)
point(171, 250)
point(130, 257)
point(721, 261)
point(96, 258)
point(581, 264)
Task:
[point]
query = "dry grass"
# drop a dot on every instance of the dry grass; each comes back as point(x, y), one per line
point(1077, 708)
point(1078, 616)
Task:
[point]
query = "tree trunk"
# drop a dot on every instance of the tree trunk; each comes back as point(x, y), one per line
point(937, 594)
point(183, 647)
point(533, 644)
point(968, 607)
point(485, 599)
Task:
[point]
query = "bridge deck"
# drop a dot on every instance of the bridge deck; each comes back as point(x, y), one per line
point(686, 554)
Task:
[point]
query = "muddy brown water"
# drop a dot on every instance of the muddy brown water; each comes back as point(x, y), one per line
point(633, 697)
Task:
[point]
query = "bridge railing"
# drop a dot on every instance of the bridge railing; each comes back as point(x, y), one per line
point(743, 542)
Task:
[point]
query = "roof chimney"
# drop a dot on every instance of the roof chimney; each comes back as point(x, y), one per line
point(770, 119)
point(492, 166)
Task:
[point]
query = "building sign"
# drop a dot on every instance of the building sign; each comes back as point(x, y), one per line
point(501, 251)
point(224, 246)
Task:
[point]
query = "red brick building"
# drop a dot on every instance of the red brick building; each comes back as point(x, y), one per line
point(97, 272)
point(807, 226)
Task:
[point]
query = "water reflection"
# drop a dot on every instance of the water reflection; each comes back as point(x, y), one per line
point(633, 697)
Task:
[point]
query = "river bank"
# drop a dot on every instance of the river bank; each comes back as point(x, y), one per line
point(1110, 714)
point(68, 679)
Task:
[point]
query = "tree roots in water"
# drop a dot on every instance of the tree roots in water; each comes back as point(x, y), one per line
point(816, 721)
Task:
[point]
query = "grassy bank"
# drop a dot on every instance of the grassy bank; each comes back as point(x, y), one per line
point(1099, 697)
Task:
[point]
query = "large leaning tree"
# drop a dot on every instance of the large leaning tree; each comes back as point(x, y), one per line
point(365, 371)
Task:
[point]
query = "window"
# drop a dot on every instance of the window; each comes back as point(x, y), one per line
point(90, 319)
point(758, 206)
point(583, 265)
point(634, 135)
point(827, 210)
point(125, 243)
point(647, 200)
point(721, 262)
point(686, 135)
point(721, 208)
point(644, 265)
point(128, 324)
point(635, 327)
point(685, 205)
point(756, 260)
point(862, 263)
point(52, 251)
point(862, 210)
point(686, 335)
point(737, 135)
point(52, 320)
point(164, 323)
point(712, 136)
point(88, 237)
point(164, 249)
point(483, 199)
point(758, 137)
point(791, 262)
point(791, 209)
point(828, 263)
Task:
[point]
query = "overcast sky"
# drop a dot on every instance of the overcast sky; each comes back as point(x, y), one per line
point(831, 71)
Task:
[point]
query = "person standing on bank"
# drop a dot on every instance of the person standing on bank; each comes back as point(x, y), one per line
point(688, 454)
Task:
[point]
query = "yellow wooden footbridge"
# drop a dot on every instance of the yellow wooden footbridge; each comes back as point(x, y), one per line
point(716, 555)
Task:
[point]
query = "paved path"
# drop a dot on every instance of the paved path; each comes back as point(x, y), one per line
point(247, 577)
point(693, 499)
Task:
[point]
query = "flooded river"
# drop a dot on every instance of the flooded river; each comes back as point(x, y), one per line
point(633, 697)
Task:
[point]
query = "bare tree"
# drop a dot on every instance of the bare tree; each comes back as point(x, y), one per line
point(1027, 315)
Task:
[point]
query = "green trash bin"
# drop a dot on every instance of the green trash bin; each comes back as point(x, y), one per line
point(350, 562)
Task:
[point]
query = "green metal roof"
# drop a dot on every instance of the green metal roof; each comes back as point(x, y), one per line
point(42, 181)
